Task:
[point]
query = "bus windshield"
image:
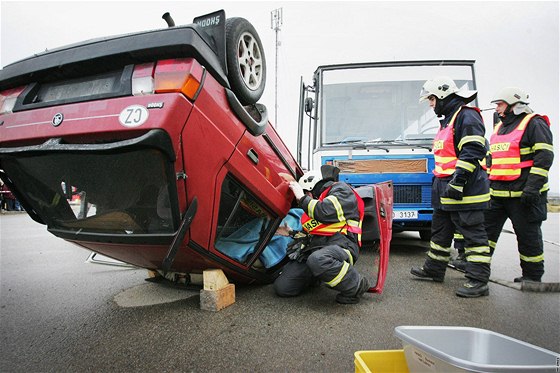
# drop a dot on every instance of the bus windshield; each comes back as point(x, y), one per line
point(381, 104)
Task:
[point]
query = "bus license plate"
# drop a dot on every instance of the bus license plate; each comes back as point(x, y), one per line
point(405, 214)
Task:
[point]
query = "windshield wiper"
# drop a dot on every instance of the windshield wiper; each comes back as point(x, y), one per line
point(402, 143)
point(343, 142)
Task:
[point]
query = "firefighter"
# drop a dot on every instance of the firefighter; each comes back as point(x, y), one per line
point(328, 246)
point(460, 190)
point(522, 155)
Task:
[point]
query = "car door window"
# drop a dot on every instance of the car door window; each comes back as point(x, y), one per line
point(243, 222)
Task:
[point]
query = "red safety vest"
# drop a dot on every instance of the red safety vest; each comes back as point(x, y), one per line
point(312, 226)
point(506, 152)
point(444, 150)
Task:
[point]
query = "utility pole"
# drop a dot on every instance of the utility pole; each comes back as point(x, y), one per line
point(275, 24)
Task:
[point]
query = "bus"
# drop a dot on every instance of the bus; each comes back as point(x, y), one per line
point(366, 119)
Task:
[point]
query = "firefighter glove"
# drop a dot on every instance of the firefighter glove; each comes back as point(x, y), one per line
point(530, 198)
point(297, 190)
point(455, 187)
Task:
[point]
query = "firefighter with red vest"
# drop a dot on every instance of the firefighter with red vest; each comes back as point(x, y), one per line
point(460, 191)
point(522, 155)
point(328, 246)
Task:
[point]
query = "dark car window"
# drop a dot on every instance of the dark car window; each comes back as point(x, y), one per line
point(125, 193)
point(243, 222)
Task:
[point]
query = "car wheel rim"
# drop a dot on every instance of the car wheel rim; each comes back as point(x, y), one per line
point(250, 61)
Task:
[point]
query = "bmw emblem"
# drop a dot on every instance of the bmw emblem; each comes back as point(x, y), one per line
point(57, 119)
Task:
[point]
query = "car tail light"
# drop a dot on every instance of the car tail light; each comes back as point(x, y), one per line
point(8, 99)
point(179, 75)
point(143, 79)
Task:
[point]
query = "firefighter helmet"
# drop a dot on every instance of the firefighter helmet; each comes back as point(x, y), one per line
point(310, 179)
point(511, 96)
point(443, 86)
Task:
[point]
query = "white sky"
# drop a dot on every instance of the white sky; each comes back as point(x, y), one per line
point(514, 43)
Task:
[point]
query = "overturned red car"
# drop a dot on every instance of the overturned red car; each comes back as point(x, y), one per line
point(160, 137)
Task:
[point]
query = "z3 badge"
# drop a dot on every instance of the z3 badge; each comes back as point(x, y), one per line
point(133, 116)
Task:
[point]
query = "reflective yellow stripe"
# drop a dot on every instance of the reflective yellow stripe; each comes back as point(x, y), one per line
point(337, 206)
point(544, 188)
point(440, 159)
point(494, 171)
point(335, 281)
point(478, 249)
point(456, 187)
point(466, 139)
point(311, 208)
point(539, 171)
point(466, 200)
point(350, 256)
point(479, 259)
point(532, 259)
point(466, 165)
point(437, 247)
point(438, 257)
point(448, 171)
point(504, 193)
point(331, 229)
point(492, 244)
point(524, 122)
point(353, 223)
point(458, 236)
point(509, 193)
point(525, 151)
point(543, 146)
point(513, 160)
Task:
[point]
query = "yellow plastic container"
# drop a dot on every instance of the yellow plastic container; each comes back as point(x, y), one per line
point(382, 361)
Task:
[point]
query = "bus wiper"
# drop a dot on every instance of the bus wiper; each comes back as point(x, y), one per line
point(342, 142)
point(384, 141)
point(403, 143)
point(366, 145)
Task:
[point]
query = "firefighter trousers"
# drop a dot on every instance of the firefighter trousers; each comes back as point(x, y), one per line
point(470, 224)
point(331, 265)
point(526, 221)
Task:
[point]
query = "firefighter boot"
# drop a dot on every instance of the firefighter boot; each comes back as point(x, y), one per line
point(473, 289)
point(424, 274)
point(353, 299)
point(459, 263)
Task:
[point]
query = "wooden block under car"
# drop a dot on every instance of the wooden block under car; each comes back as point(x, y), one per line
point(217, 293)
point(215, 300)
point(214, 279)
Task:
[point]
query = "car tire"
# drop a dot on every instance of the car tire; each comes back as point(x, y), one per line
point(245, 60)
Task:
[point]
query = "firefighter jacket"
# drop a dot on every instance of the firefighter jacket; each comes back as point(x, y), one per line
point(522, 154)
point(335, 218)
point(459, 148)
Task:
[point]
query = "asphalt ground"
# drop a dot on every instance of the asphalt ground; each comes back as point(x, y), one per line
point(60, 313)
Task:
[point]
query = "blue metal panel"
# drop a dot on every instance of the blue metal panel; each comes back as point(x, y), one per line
point(416, 185)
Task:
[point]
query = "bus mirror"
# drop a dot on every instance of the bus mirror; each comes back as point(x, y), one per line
point(308, 106)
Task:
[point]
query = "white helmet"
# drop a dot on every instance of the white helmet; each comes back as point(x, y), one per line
point(511, 95)
point(310, 179)
point(443, 86)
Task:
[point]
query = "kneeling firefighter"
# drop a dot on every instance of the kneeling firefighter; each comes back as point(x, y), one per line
point(328, 247)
